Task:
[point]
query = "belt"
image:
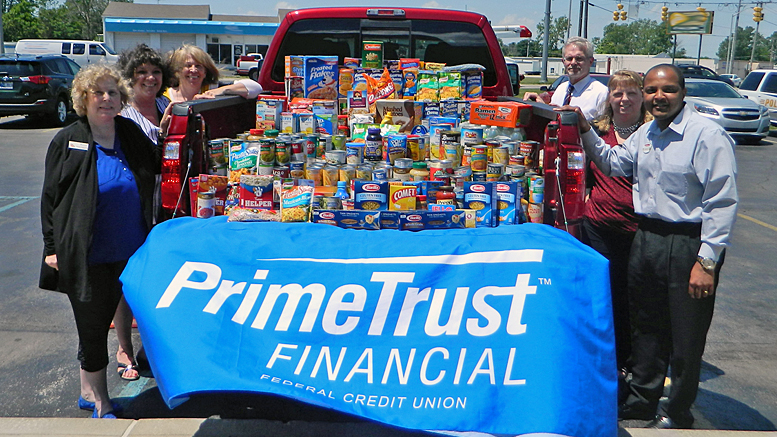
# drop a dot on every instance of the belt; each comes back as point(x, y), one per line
point(662, 227)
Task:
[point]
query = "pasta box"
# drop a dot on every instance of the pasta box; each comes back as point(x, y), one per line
point(482, 197)
point(370, 195)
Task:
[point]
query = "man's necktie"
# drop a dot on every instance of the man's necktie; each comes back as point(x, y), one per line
point(568, 97)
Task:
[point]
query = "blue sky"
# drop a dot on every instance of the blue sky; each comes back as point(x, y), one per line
point(529, 13)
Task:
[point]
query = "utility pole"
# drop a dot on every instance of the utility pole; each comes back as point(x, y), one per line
point(734, 41)
point(2, 37)
point(545, 42)
point(758, 16)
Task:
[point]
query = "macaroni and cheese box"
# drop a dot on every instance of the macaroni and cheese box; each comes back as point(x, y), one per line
point(482, 197)
point(370, 195)
point(348, 219)
point(402, 198)
point(508, 200)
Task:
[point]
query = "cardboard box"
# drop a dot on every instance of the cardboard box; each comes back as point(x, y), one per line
point(509, 201)
point(504, 114)
point(256, 192)
point(370, 195)
point(319, 75)
point(268, 114)
point(353, 219)
point(482, 197)
point(402, 112)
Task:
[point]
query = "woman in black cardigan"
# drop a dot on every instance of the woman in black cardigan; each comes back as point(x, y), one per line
point(96, 210)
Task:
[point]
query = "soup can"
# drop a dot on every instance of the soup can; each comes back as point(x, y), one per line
point(206, 204)
point(413, 149)
point(490, 146)
point(478, 158)
point(466, 155)
point(335, 157)
point(495, 171)
point(379, 174)
point(535, 212)
point(298, 147)
point(354, 153)
point(297, 169)
point(517, 159)
point(502, 155)
point(281, 171)
point(264, 169)
point(478, 176)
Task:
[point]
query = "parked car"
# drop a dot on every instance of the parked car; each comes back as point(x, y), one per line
point(701, 72)
point(736, 80)
point(546, 92)
point(760, 86)
point(31, 85)
point(743, 119)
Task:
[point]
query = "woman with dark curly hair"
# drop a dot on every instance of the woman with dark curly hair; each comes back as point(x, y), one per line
point(149, 77)
point(95, 213)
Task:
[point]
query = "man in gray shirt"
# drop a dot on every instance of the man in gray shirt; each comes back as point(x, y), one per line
point(684, 189)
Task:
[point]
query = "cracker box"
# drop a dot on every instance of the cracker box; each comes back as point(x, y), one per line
point(370, 195)
point(505, 114)
point(268, 114)
point(508, 197)
point(352, 219)
point(482, 197)
point(402, 198)
point(320, 75)
point(217, 184)
point(256, 192)
point(402, 112)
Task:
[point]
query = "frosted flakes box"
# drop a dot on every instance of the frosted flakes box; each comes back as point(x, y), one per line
point(320, 75)
point(348, 219)
point(370, 195)
point(482, 197)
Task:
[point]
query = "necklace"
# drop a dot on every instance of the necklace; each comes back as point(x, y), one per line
point(625, 132)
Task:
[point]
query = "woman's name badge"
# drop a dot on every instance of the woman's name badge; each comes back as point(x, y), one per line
point(646, 148)
point(77, 145)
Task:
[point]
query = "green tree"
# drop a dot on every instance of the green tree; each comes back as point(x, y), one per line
point(522, 47)
point(640, 37)
point(57, 22)
point(88, 13)
point(557, 35)
point(744, 45)
point(21, 22)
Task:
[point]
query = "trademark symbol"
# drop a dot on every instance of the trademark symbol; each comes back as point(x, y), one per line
point(544, 281)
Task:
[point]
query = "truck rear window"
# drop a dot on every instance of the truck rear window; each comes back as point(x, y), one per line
point(450, 42)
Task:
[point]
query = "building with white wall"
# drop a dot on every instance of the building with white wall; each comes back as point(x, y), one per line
point(167, 27)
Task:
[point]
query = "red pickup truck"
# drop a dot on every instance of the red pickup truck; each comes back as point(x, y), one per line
point(249, 65)
point(432, 35)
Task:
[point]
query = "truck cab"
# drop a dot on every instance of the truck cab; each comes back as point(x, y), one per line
point(432, 35)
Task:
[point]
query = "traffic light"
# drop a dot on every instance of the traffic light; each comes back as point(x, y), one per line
point(623, 15)
point(758, 14)
point(620, 14)
point(664, 13)
point(616, 16)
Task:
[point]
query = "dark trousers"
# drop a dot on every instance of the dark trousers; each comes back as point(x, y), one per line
point(616, 247)
point(669, 327)
point(93, 317)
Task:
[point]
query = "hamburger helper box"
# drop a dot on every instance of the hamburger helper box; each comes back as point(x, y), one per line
point(319, 75)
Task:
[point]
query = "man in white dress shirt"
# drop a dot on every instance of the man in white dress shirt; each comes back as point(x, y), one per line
point(685, 191)
point(581, 89)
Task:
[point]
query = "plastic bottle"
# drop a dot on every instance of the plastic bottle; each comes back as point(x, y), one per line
point(342, 191)
point(373, 145)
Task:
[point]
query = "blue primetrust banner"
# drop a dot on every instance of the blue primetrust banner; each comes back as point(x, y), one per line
point(502, 330)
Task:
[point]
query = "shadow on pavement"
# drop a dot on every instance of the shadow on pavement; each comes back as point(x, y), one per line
point(728, 414)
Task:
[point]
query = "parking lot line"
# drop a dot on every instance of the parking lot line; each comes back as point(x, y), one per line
point(19, 200)
point(758, 222)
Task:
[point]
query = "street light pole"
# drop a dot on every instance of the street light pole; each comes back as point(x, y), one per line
point(545, 41)
point(734, 40)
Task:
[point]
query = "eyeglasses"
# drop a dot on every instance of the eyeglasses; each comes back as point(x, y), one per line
point(101, 94)
point(579, 59)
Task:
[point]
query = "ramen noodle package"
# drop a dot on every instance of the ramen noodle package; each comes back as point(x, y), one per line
point(428, 86)
point(295, 203)
point(482, 197)
point(217, 184)
point(256, 192)
point(449, 83)
point(371, 196)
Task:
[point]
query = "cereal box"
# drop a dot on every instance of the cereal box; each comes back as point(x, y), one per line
point(370, 195)
point(256, 192)
point(482, 197)
point(507, 195)
point(401, 198)
point(320, 75)
point(353, 219)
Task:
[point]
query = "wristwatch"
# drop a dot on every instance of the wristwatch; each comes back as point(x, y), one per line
point(707, 264)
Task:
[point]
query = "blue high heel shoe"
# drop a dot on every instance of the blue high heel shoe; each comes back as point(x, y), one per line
point(86, 405)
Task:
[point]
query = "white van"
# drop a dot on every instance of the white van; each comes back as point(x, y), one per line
point(82, 52)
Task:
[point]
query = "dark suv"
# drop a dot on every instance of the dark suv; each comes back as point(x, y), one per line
point(702, 72)
point(36, 84)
